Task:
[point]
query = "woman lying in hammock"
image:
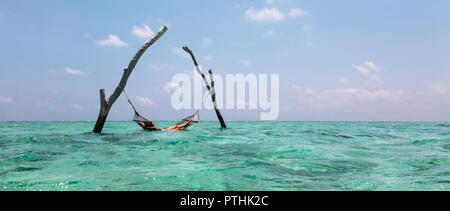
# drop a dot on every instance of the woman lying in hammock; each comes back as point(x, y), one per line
point(151, 127)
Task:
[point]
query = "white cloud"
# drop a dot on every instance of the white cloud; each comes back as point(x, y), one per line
point(347, 96)
point(309, 44)
point(145, 101)
point(297, 12)
point(439, 88)
point(111, 41)
point(368, 69)
point(272, 14)
point(206, 42)
point(169, 87)
point(6, 100)
point(264, 15)
point(246, 63)
point(71, 71)
point(77, 107)
point(142, 32)
point(372, 66)
point(363, 70)
point(180, 52)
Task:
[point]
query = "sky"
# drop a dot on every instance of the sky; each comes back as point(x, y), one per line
point(372, 60)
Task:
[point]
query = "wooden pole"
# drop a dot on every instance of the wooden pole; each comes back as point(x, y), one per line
point(213, 97)
point(106, 104)
point(210, 88)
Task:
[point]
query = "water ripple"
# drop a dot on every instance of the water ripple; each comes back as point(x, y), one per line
point(249, 156)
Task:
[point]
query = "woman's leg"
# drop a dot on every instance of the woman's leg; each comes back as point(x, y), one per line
point(179, 127)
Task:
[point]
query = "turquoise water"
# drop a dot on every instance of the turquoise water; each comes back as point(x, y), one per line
point(248, 156)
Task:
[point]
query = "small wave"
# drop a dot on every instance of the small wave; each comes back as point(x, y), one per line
point(22, 169)
point(429, 141)
point(28, 158)
point(426, 164)
point(364, 135)
point(444, 124)
point(89, 163)
point(336, 135)
point(344, 136)
point(377, 135)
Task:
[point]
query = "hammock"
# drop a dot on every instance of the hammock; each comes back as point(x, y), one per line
point(138, 118)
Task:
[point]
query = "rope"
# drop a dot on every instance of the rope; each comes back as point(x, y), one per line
point(203, 103)
point(129, 101)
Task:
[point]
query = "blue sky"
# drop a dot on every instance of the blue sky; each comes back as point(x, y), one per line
point(338, 60)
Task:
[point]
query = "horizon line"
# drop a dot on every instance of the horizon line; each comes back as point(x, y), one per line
point(93, 121)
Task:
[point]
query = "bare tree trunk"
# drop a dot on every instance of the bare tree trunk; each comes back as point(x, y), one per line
point(213, 97)
point(106, 104)
point(210, 88)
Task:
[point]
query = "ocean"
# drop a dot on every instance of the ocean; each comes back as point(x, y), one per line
point(265, 156)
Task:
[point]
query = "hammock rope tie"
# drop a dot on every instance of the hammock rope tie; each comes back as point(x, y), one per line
point(129, 101)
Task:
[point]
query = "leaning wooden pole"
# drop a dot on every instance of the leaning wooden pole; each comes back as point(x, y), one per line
point(210, 88)
point(213, 97)
point(106, 104)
